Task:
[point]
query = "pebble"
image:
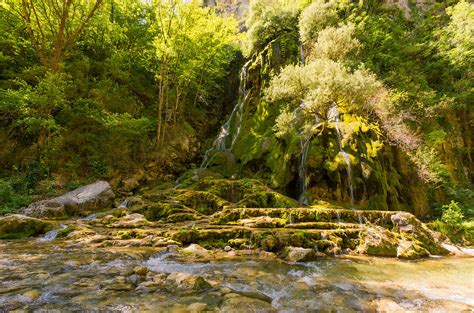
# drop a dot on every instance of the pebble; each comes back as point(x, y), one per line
point(140, 270)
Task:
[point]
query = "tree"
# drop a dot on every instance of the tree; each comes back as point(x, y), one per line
point(335, 43)
point(323, 84)
point(317, 16)
point(457, 38)
point(193, 46)
point(270, 19)
point(53, 26)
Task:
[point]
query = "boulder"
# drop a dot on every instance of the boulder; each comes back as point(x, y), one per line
point(378, 241)
point(133, 220)
point(411, 250)
point(118, 283)
point(196, 250)
point(296, 254)
point(19, 226)
point(186, 283)
point(237, 303)
point(93, 197)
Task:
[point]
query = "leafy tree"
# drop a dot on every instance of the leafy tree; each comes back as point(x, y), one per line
point(193, 47)
point(53, 26)
point(457, 38)
point(270, 19)
point(317, 16)
point(335, 43)
point(323, 84)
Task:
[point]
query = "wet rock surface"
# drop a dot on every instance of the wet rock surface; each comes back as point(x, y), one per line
point(55, 276)
point(196, 250)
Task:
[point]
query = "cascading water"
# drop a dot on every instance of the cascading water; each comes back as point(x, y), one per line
point(305, 140)
point(233, 122)
point(51, 235)
point(305, 144)
point(302, 56)
point(333, 116)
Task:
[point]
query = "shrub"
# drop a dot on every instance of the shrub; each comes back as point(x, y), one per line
point(452, 214)
point(10, 201)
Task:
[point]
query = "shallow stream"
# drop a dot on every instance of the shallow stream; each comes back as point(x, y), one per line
point(48, 275)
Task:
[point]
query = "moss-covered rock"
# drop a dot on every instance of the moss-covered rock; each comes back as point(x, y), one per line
point(19, 226)
point(378, 241)
point(186, 283)
point(296, 254)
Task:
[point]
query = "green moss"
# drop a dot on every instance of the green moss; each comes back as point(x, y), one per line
point(65, 231)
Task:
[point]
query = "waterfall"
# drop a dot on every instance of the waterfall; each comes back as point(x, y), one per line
point(305, 144)
point(51, 235)
point(305, 141)
point(235, 120)
point(302, 56)
point(333, 115)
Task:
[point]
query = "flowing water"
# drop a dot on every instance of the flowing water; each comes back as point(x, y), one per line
point(47, 276)
point(302, 56)
point(305, 145)
point(231, 129)
point(305, 142)
point(333, 116)
point(51, 235)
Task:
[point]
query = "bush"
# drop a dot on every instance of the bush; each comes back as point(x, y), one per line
point(452, 215)
point(10, 201)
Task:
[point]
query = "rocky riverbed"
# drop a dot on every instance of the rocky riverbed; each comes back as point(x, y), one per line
point(203, 248)
point(42, 275)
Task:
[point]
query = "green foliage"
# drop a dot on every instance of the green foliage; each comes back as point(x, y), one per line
point(269, 20)
point(457, 38)
point(10, 199)
point(335, 43)
point(452, 214)
point(321, 85)
point(317, 16)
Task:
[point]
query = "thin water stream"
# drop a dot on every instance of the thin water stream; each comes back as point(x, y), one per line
point(231, 129)
point(333, 116)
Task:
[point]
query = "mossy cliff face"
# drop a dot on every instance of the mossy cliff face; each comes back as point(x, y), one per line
point(382, 176)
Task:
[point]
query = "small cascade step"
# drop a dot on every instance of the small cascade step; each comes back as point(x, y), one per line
point(322, 225)
point(303, 215)
point(269, 239)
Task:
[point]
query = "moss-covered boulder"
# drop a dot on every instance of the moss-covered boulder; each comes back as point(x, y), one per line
point(297, 254)
point(19, 226)
point(378, 241)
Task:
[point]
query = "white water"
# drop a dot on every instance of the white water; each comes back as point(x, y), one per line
point(302, 56)
point(333, 116)
point(305, 141)
point(234, 120)
point(51, 235)
point(302, 170)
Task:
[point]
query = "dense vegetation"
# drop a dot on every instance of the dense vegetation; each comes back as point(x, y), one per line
point(125, 88)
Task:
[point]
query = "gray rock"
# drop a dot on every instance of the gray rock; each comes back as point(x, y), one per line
point(186, 283)
point(172, 249)
point(227, 248)
point(93, 197)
